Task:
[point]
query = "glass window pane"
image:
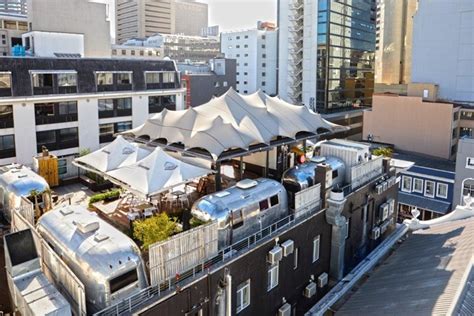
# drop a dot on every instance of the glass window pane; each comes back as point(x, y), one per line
point(5, 81)
point(124, 78)
point(67, 80)
point(106, 105)
point(105, 78)
point(152, 77)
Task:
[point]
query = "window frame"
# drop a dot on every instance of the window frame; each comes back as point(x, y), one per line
point(273, 276)
point(240, 293)
point(426, 187)
point(404, 189)
point(438, 186)
point(414, 186)
point(316, 254)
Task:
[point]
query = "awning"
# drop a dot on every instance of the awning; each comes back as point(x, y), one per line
point(118, 153)
point(232, 121)
point(425, 203)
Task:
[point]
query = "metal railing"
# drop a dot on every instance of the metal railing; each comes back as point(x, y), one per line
point(129, 304)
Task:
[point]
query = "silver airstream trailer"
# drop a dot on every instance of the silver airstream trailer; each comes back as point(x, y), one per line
point(105, 260)
point(243, 209)
point(17, 181)
point(303, 176)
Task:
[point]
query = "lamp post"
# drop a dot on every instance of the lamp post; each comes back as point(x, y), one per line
point(462, 189)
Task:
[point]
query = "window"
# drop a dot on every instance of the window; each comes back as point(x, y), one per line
point(264, 65)
point(429, 188)
point(115, 107)
point(417, 185)
point(67, 108)
point(224, 84)
point(470, 162)
point(246, 46)
point(67, 80)
point(246, 36)
point(124, 78)
point(216, 84)
point(295, 259)
point(5, 80)
point(263, 74)
point(316, 248)
point(43, 80)
point(263, 37)
point(106, 129)
point(114, 52)
point(123, 126)
point(243, 296)
point(246, 55)
point(105, 78)
point(442, 190)
point(406, 184)
point(246, 73)
point(62, 166)
point(67, 134)
point(124, 103)
point(237, 46)
point(46, 137)
point(7, 142)
point(274, 200)
point(263, 205)
point(264, 55)
point(237, 37)
point(152, 77)
point(246, 64)
point(124, 52)
point(263, 45)
point(272, 277)
point(263, 83)
point(168, 76)
point(238, 55)
point(106, 105)
point(123, 280)
point(132, 52)
point(237, 219)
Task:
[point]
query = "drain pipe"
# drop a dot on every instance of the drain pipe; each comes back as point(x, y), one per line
point(228, 294)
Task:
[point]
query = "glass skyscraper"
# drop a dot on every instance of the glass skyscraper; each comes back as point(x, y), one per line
point(346, 54)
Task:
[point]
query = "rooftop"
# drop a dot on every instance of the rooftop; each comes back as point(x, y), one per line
point(430, 274)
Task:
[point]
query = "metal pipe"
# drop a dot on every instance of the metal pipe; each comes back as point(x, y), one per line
point(218, 176)
point(228, 295)
point(267, 154)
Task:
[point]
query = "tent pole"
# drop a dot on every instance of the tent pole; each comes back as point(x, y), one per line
point(241, 167)
point(267, 154)
point(218, 176)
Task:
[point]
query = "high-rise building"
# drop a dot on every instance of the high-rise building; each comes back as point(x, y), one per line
point(326, 53)
point(443, 38)
point(256, 53)
point(11, 28)
point(190, 17)
point(394, 41)
point(143, 18)
point(90, 18)
point(14, 7)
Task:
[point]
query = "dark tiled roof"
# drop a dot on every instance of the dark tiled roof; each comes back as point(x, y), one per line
point(439, 207)
point(424, 276)
point(433, 172)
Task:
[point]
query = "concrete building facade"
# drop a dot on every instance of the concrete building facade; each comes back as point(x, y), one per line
point(205, 81)
point(18, 7)
point(443, 38)
point(394, 35)
point(190, 17)
point(72, 104)
point(143, 18)
point(414, 124)
point(88, 17)
point(255, 51)
point(12, 26)
point(464, 183)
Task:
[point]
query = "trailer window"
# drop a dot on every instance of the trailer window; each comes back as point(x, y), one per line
point(335, 174)
point(263, 204)
point(123, 280)
point(237, 219)
point(274, 200)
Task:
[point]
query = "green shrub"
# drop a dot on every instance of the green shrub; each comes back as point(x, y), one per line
point(154, 229)
point(383, 151)
point(113, 194)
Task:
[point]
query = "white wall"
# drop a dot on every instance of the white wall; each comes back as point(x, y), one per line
point(443, 41)
point(283, 50)
point(45, 44)
point(310, 52)
point(254, 60)
point(88, 118)
point(25, 132)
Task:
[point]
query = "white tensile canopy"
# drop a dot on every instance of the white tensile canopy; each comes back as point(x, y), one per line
point(117, 154)
point(156, 173)
point(142, 171)
point(232, 121)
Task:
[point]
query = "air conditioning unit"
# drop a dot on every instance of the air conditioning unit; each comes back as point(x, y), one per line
point(285, 310)
point(379, 189)
point(322, 279)
point(375, 234)
point(391, 206)
point(288, 247)
point(275, 255)
point(383, 211)
point(385, 185)
point(310, 290)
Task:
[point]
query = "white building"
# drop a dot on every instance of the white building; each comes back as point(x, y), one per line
point(68, 104)
point(53, 44)
point(256, 53)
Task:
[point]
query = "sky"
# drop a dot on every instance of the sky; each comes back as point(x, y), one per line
point(240, 14)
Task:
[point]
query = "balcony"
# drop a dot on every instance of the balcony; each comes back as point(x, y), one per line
point(162, 85)
point(44, 119)
point(115, 113)
point(65, 144)
point(7, 153)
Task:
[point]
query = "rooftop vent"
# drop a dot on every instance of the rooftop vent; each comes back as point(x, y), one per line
point(246, 184)
point(87, 227)
point(222, 194)
point(66, 211)
point(318, 159)
point(100, 237)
